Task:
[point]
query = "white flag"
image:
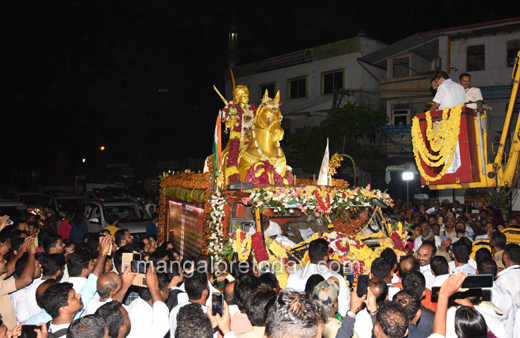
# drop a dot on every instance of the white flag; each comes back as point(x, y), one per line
point(323, 178)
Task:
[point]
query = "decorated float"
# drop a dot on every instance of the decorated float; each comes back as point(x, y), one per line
point(225, 212)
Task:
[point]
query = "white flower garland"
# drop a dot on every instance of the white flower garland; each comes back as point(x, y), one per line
point(216, 216)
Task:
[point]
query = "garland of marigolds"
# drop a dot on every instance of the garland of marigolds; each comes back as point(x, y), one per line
point(445, 143)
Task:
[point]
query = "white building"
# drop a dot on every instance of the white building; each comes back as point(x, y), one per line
point(307, 80)
point(486, 51)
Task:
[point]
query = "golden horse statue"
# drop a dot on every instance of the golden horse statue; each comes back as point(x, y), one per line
point(266, 135)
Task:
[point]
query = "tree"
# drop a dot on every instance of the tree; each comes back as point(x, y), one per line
point(342, 125)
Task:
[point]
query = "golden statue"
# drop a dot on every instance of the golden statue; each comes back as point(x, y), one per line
point(243, 127)
point(264, 146)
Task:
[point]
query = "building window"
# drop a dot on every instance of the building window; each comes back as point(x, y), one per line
point(332, 81)
point(271, 90)
point(401, 67)
point(512, 51)
point(476, 58)
point(400, 113)
point(297, 88)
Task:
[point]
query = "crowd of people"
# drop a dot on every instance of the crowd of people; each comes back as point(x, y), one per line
point(80, 287)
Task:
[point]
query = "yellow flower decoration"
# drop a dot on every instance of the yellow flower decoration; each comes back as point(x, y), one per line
point(445, 143)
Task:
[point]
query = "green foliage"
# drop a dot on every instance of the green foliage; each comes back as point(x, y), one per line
point(348, 124)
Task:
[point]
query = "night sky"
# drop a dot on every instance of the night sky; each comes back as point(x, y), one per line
point(80, 74)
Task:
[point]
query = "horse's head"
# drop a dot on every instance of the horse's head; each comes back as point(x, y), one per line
point(269, 116)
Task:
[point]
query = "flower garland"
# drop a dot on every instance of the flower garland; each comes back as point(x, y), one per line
point(335, 162)
point(213, 222)
point(237, 134)
point(258, 174)
point(258, 244)
point(449, 133)
point(242, 244)
point(304, 198)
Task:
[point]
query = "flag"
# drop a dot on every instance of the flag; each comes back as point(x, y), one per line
point(217, 147)
point(323, 178)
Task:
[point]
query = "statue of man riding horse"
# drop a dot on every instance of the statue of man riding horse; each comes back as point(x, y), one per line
point(253, 153)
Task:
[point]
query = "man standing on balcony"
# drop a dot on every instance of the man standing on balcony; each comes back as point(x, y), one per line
point(449, 94)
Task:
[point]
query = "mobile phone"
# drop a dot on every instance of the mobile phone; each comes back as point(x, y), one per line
point(474, 211)
point(440, 219)
point(362, 285)
point(28, 331)
point(138, 266)
point(478, 282)
point(128, 257)
point(471, 282)
point(217, 304)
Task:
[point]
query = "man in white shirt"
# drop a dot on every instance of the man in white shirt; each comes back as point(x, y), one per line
point(107, 286)
point(509, 278)
point(440, 269)
point(148, 313)
point(318, 253)
point(424, 256)
point(449, 94)
point(80, 266)
point(500, 297)
point(117, 319)
point(61, 302)
point(17, 298)
point(52, 268)
point(383, 270)
point(196, 286)
point(473, 94)
point(461, 253)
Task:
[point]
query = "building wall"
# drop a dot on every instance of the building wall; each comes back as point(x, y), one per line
point(311, 110)
point(496, 72)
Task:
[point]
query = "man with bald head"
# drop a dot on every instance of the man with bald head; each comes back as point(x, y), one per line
point(107, 286)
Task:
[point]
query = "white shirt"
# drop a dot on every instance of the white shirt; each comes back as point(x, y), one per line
point(473, 95)
point(472, 263)
point(19, 303)
point(392, 290)
point(77, 283)
point(489, 315)
point(517, 324)
point(363, 325)
point(298, 279)
point(503, 300)
point(148, 321)
point(182, 297)
point(439, 280)
point(55, 328)
point(30, 296)
point(428, 275)
point(148, 205)
point(273, 230)
point(94, 304)
point(450, 94)
point(509, 279)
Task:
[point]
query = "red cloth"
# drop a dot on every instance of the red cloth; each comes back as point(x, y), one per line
point(65, 228)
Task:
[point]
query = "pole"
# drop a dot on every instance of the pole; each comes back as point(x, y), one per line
point(408, 195)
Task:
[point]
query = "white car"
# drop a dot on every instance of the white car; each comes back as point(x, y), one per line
point(132, 216)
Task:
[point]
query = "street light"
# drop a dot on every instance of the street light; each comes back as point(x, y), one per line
point(408, 176)
point(102, 148)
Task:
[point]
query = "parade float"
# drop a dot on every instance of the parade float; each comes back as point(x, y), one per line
point(222, 211)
